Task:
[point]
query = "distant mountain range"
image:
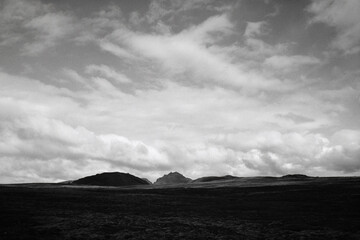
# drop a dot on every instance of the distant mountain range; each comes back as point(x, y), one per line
point(126, 179)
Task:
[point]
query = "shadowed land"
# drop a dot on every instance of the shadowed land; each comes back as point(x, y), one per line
point(241, 208)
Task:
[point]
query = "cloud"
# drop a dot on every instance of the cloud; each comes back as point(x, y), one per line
point(296, 118)
point(95, 27)
point(255, 29)
point(290, 62)
point(116, 50)
point(272, 152)
point(344, 17)
point(45, 140)
point(345, 155)
point(255, 48)
point(49, 28)
point(168, 10)
point(156, 11)
point(187, 57)
point(13, 14)
point(178, 87)
point(38, 26)
point(74, 76)
point(195, 55)
point(202, 33)
point(348, 138)
point(23, 170)
point(107, 72)
point(225, 133)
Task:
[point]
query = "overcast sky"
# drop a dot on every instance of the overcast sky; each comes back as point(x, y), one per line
point(201, 87)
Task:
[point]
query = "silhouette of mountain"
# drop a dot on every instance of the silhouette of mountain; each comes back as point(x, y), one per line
point(295, 176)
point(111, 179)
point(172, 178)
point(213, 178)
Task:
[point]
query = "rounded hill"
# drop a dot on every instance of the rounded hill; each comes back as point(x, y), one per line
point(214, 178)
point(111, 179)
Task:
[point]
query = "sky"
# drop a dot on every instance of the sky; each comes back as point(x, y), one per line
point(202, 87)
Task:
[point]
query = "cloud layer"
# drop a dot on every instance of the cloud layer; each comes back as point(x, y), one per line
point(186, 86)
point(344, 17)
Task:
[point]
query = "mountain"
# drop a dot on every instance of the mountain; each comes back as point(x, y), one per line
point(111, 179)
point(213, 178)
point(147, 180)
point(172, 178)
point(295, 176)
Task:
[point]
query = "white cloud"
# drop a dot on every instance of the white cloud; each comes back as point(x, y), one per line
point(116, 50)
point(107, 72)
point(35, 24)
point(202, 33)
point(168, 10)
point(20, 10)
point(256, 48)
point(290, 62)
point(348, 138)
point(186, 128)
point(39, 138)
point(274, 56)
point(95, 27)
point(74, 76)
point(200, 98)
point(255, 29)
point(49, 28)
point(186, 53)
point(156, 11)
point(278, 153)
point(295, 118)
point(20, 170)
point(344, 17)
point(13, 14)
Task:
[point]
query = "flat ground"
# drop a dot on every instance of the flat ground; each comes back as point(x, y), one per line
point(317, 209)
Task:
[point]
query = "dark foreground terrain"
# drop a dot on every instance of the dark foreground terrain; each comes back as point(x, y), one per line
point(312, 209)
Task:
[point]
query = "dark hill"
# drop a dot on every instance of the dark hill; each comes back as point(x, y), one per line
point(295, 176)
point(147, 180)
point(212, 178)
point(111, 179)
point(172, 178)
